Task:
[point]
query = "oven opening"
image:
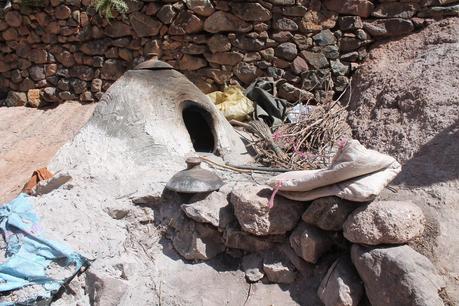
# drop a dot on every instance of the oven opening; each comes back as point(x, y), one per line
point(199, 124)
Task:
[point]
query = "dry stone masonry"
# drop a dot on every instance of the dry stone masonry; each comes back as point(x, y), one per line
point(53, 51)
point(364, 245)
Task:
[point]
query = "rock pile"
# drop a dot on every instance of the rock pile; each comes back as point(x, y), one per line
point(368, 242)
point(53, 51)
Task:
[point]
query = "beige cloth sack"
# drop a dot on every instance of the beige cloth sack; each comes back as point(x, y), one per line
point(356, 174)
point(361, 189)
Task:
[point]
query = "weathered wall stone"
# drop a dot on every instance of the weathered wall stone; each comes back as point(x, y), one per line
point(220, 42)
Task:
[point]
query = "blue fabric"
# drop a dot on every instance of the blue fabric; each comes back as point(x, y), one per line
point(28, 253)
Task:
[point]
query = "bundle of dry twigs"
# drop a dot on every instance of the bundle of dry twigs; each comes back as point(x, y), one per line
point(309, 143)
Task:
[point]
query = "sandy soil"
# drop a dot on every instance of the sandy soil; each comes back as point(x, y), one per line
point(31, 137)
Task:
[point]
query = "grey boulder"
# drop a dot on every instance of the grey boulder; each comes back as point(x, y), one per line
point(252, 265)
point(328, 213)
point(309, 242)
point(278, 268)
point(341, 286)
point(196, 241)
point(214, 209)
point(392, 222)
point(397, 275)
point(237, 239)
point(250, 203)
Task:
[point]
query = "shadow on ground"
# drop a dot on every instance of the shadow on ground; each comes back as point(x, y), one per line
point(301, 292)
point(437, 161)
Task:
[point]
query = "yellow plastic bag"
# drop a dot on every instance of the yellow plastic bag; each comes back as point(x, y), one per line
point(232, 103)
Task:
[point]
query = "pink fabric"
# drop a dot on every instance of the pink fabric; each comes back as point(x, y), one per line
point(275, 190)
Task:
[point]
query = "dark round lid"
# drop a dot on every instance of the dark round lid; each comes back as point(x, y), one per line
point(153, 64)
point(194, 179)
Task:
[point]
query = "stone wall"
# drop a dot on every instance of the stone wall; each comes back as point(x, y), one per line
point(58, 50)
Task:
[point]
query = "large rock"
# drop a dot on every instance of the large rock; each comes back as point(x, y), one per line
point(166, 14)
point(341, 286)
point(439, 12)
point(38, 56)
point(248, 44)
point(34, 98)
point(16, 99)
point(95, 47)
point(219, 43)
point(246, 72)
point(62, 12)
point(13, 18)
point(285, 24)
point(317, 60)
point(299, 65)
point(49, 94)
point(395, 276)
point(314, 21)
point(105, 290)
point(185, 23)
point(286, 51)
point(324, 38)
point(196, 241)
point(117, 29)
point(347, 23)
point(224, 58)
point(64, 57)
point(250, 203)
point(215, 209)
point(328, 213)
point(282, 2)
point(225, 22)
point(37, 73)
point(339, 68)
point(293, 94)
point(389, 27)
point(10, 34)
point(349, 44)
point(424, 115)
point(82, 72)
point(278, 268)
point(78, 86)
point(309, 242)
point(237, 239)
point(190, 62)
point(112, 69)
point(144, 25)
point(395, 9)
point(384, 222)
point(200, 7)
point(294, 11)
point(362, 8)
point(252, 265)
point(250, 11)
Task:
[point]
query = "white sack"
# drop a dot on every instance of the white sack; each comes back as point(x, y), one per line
point(356, 174)
point(351, 161)
point(361, 189)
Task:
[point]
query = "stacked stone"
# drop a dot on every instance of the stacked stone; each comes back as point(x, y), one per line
point(63, 50)
point(368, 241)
point(381, 264)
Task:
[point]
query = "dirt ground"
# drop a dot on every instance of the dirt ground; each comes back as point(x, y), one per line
point(31, 137)
point(405, 102)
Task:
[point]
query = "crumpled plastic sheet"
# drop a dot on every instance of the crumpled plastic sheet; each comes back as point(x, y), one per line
point(29, 255)
point(268, 108)
point(232, 103)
